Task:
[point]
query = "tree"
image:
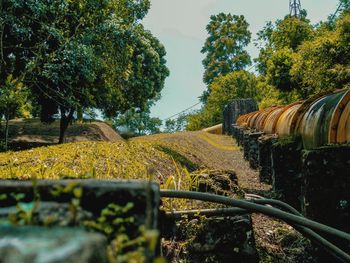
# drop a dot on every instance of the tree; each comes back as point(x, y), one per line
point(137, 123)
point(344, 5)
point(224, 48)
point(323, 63)
point(13, 99)
point(279, 44)
point(93, 54)
point(224, 89)
point(278, 69)
point(178, 124)
point(291, 32)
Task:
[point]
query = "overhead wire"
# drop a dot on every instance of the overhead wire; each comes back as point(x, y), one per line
point(198, 103)
point(183, 111)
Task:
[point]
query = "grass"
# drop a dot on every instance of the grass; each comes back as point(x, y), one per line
point(170, 162)
point(179, 158)
point(100, 160)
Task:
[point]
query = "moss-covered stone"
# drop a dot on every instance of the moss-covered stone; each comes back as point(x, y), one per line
point(264, 163)
point(221, 183)
point(326, 194)
point(286, 170)
point(253, 155)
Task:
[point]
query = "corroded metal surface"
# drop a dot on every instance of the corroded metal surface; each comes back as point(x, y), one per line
point(284, 125)
point(315, 124)
point(321, 120)
point(271, 120)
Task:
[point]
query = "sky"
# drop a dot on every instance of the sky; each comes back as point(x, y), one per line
point(180, 26)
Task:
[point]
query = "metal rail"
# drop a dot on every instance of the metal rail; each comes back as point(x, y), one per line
point(293, 217)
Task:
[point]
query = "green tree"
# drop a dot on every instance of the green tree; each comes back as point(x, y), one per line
point(278, 47)
point(291, 32)
point(323, 63)
point(224, 48)
point(136, 122)
point(82, 54)
point(178, 124)
point(237, 84)
point(13, 100)
point(278, 69)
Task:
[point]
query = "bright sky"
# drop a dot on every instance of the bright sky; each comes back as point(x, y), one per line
point(180, 26)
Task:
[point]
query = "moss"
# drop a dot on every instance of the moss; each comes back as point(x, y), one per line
point(287, 140)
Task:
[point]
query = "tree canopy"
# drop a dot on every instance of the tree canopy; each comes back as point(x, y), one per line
point(224, 48)
point(237, 84)
point(81, 54)
point(136, 122)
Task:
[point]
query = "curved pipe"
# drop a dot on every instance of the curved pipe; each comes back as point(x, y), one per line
point(332, 249)
point(257, 208)
point(321, 120)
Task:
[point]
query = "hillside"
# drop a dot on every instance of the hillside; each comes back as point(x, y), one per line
point(137, 158)
point(168, 159)
point(29, 133)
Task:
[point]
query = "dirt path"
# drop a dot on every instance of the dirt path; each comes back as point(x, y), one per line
point(214, 152)
point(276, 241)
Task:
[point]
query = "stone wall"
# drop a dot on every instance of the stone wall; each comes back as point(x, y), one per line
point(253, 155)
point(326, 187)
point(264, 156)
point(286, 170)
point(304, 179)
point(236, 108)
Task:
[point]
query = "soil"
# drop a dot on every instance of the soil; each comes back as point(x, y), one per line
point(275, 240)
point(30, 133)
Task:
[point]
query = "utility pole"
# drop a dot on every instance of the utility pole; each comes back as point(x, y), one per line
point(294, 8)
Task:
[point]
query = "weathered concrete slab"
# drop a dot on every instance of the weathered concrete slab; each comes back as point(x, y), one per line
point(51, 245)
point(111, 207)
point(95, 195)
point(236, 108)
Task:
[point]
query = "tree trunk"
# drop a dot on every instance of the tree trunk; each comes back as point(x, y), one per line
point(80, 114)
point(64, 123)
point(7, 131)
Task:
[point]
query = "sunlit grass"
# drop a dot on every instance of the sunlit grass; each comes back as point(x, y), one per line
point(161, 158)
point(99, 160)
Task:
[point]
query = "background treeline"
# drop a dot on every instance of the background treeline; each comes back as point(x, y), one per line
point(296, 60)
point(59, 59)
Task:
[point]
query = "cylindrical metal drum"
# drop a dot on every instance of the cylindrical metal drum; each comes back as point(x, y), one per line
point(315, 124)
point(284, 125)
point(271, 120)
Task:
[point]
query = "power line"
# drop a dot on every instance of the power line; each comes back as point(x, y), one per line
point(249, 69)
point(336, 11)
point(182, 111)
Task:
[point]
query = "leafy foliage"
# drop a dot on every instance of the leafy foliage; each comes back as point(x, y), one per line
point(322, 64)
point(13, 103)
point(297, 60)
point(238, 84)
point(178, 124)
point(278, 46)
point(291, 32)
point(94, 55)
point(224, 48)
point(137, 123)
